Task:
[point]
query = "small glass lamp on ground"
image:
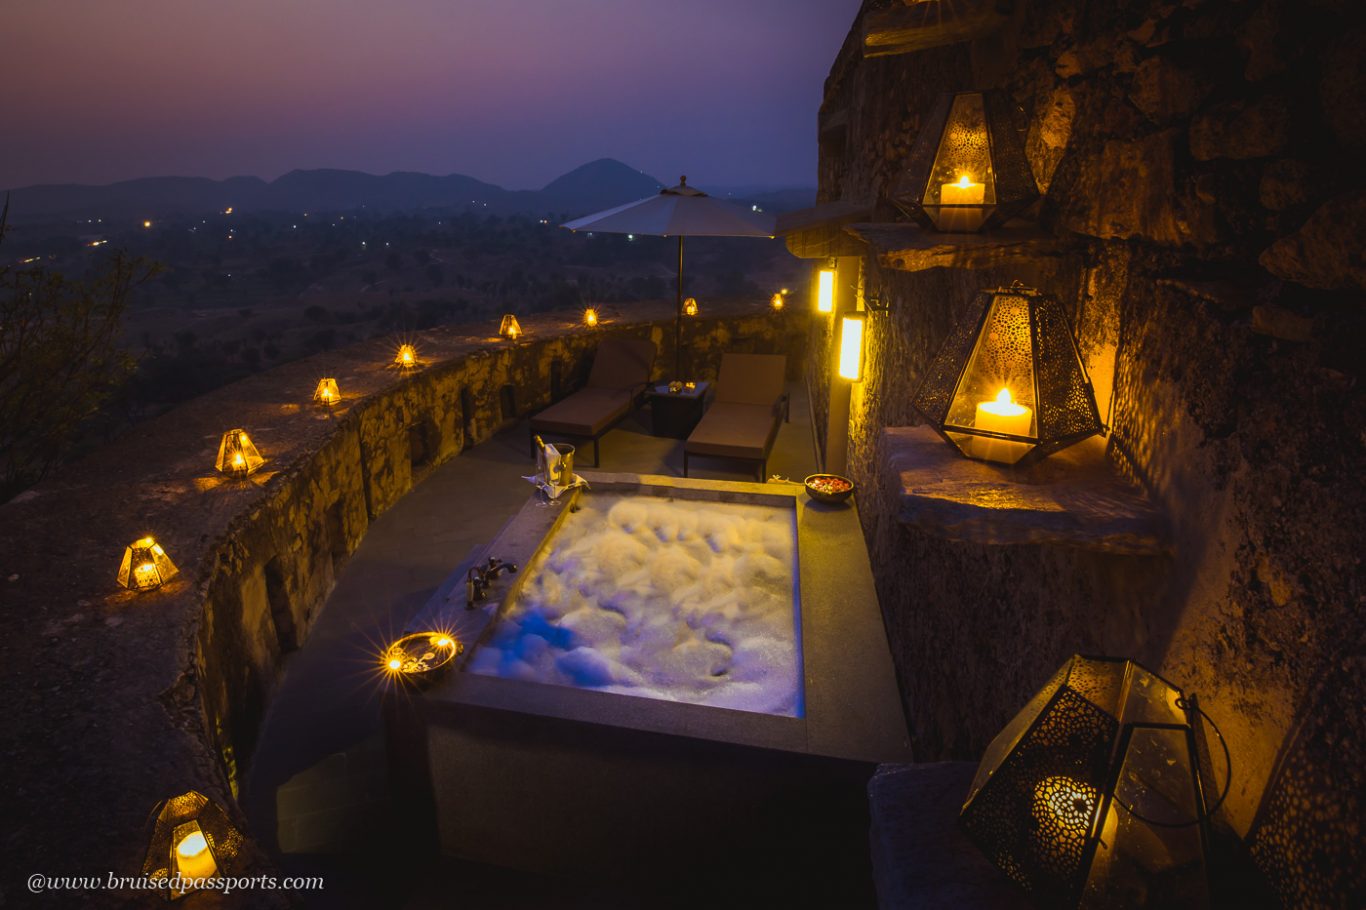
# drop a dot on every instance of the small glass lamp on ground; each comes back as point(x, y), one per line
point(327, 393)
point(967, 170)
point(405, 358)
point(510, 328)
point(690, 307)
point(1008, 385)
point(237, 455)
point(145, 566)
point(590, 317)
point(192, 840)
point(1094, 795)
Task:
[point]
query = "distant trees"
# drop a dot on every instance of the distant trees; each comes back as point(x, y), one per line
point(59, 359)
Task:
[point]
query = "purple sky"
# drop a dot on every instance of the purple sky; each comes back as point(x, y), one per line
point(511, 91)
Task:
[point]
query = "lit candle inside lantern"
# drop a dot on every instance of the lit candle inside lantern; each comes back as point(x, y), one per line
point(777, 301)
point(194, 859)
point(964, 192)
point(1003, 415)
point(590, 317)
point(406, 357)
point(1064, 807)
point(146, 576)
point(690, 307)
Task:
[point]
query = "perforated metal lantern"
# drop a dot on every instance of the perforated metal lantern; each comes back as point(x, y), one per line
point(967, 170)
point(327, 393)
point(1094, 795)
point(1008, 385)
point(237, 454)
point(510, 328)
point(192, 840)
point(145, 566)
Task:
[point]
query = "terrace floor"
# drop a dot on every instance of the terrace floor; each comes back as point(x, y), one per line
point(316, 789)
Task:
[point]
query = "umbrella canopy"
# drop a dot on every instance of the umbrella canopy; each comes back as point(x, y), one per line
point(679, 211)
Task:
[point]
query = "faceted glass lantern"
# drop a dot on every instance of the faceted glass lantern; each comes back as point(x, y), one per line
point(192, 840)
point(145, 566)
point(237, 455)
point(967, 170)
point(590, 317)
point(1094, 795)
point(690, 307)
point(510, 328)
point(405, 358)
point(327, 392)
point(1008, 385)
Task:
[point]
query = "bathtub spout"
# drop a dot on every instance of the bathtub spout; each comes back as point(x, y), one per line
point(478, 578)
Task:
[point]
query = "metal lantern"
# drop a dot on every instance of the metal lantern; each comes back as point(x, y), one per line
point(145, 566)
point(327, 392)
point(420, 657)
point(690, 307)
point(1094, 795)
point(237, 455)
point(510, 328)
point(192, 840)
point(1008, 384)
point(590, 317)
point(405, 358)
point(967, 170)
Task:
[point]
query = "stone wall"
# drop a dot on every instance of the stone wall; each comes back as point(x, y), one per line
point(1200, 168)
point(114, 700)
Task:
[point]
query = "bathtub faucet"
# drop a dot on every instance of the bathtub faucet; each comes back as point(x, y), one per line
point(478, 579)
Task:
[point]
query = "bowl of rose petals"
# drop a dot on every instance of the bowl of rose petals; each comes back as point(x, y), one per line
point(829, 487)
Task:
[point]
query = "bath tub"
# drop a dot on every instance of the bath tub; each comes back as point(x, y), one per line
point(558, 778)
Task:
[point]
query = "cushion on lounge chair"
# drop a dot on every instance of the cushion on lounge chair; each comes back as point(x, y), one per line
point(734, 430)
point(622, 363)
point(587, 412)
point(751, 378)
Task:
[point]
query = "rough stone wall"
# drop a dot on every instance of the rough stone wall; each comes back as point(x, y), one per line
point(114, 700)
point(1200, 167)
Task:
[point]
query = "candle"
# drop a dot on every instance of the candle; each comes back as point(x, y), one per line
point(146, 576)
point(1003, 415)
point(194, 859)
point(964, 192)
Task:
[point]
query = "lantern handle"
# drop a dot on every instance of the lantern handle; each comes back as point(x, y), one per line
point(1208, 814)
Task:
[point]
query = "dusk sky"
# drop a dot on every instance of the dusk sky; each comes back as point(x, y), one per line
point(515, 93)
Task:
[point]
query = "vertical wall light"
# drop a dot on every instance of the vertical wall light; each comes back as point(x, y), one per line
point(851, 347)
point(825, 291)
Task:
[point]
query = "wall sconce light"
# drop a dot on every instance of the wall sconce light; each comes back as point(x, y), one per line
point(1094, 795)
point(420, 657)
point(690, 307)
point(510, 328)
point(327, 393)
point(192, 840)
point(237, 455)
point(967, 170)
point(825, 291)
point(145, 566)
point(1008, 385)
point(405, 358)
point(590, 317)
point(851, 347)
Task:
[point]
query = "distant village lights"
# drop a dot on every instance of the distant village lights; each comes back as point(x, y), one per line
point(327, 393)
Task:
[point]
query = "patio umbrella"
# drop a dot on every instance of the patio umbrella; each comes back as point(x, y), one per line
point(680, 211)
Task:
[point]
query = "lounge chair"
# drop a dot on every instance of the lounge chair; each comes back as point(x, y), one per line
point(620, 375)
point(743, 420)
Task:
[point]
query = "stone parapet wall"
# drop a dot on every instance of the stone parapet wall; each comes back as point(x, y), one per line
point(114, 700)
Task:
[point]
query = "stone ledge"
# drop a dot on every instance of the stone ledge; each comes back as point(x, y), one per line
point(912, 248)
point(1072, 498)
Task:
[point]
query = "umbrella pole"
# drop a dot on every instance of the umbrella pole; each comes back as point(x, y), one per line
point(678, 317)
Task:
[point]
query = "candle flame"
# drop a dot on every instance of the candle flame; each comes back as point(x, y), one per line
point(395, 664)
point(1003, 396)
point(965, 181)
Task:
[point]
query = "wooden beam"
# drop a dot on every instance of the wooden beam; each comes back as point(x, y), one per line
point(922, 24)
point(911, 248)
